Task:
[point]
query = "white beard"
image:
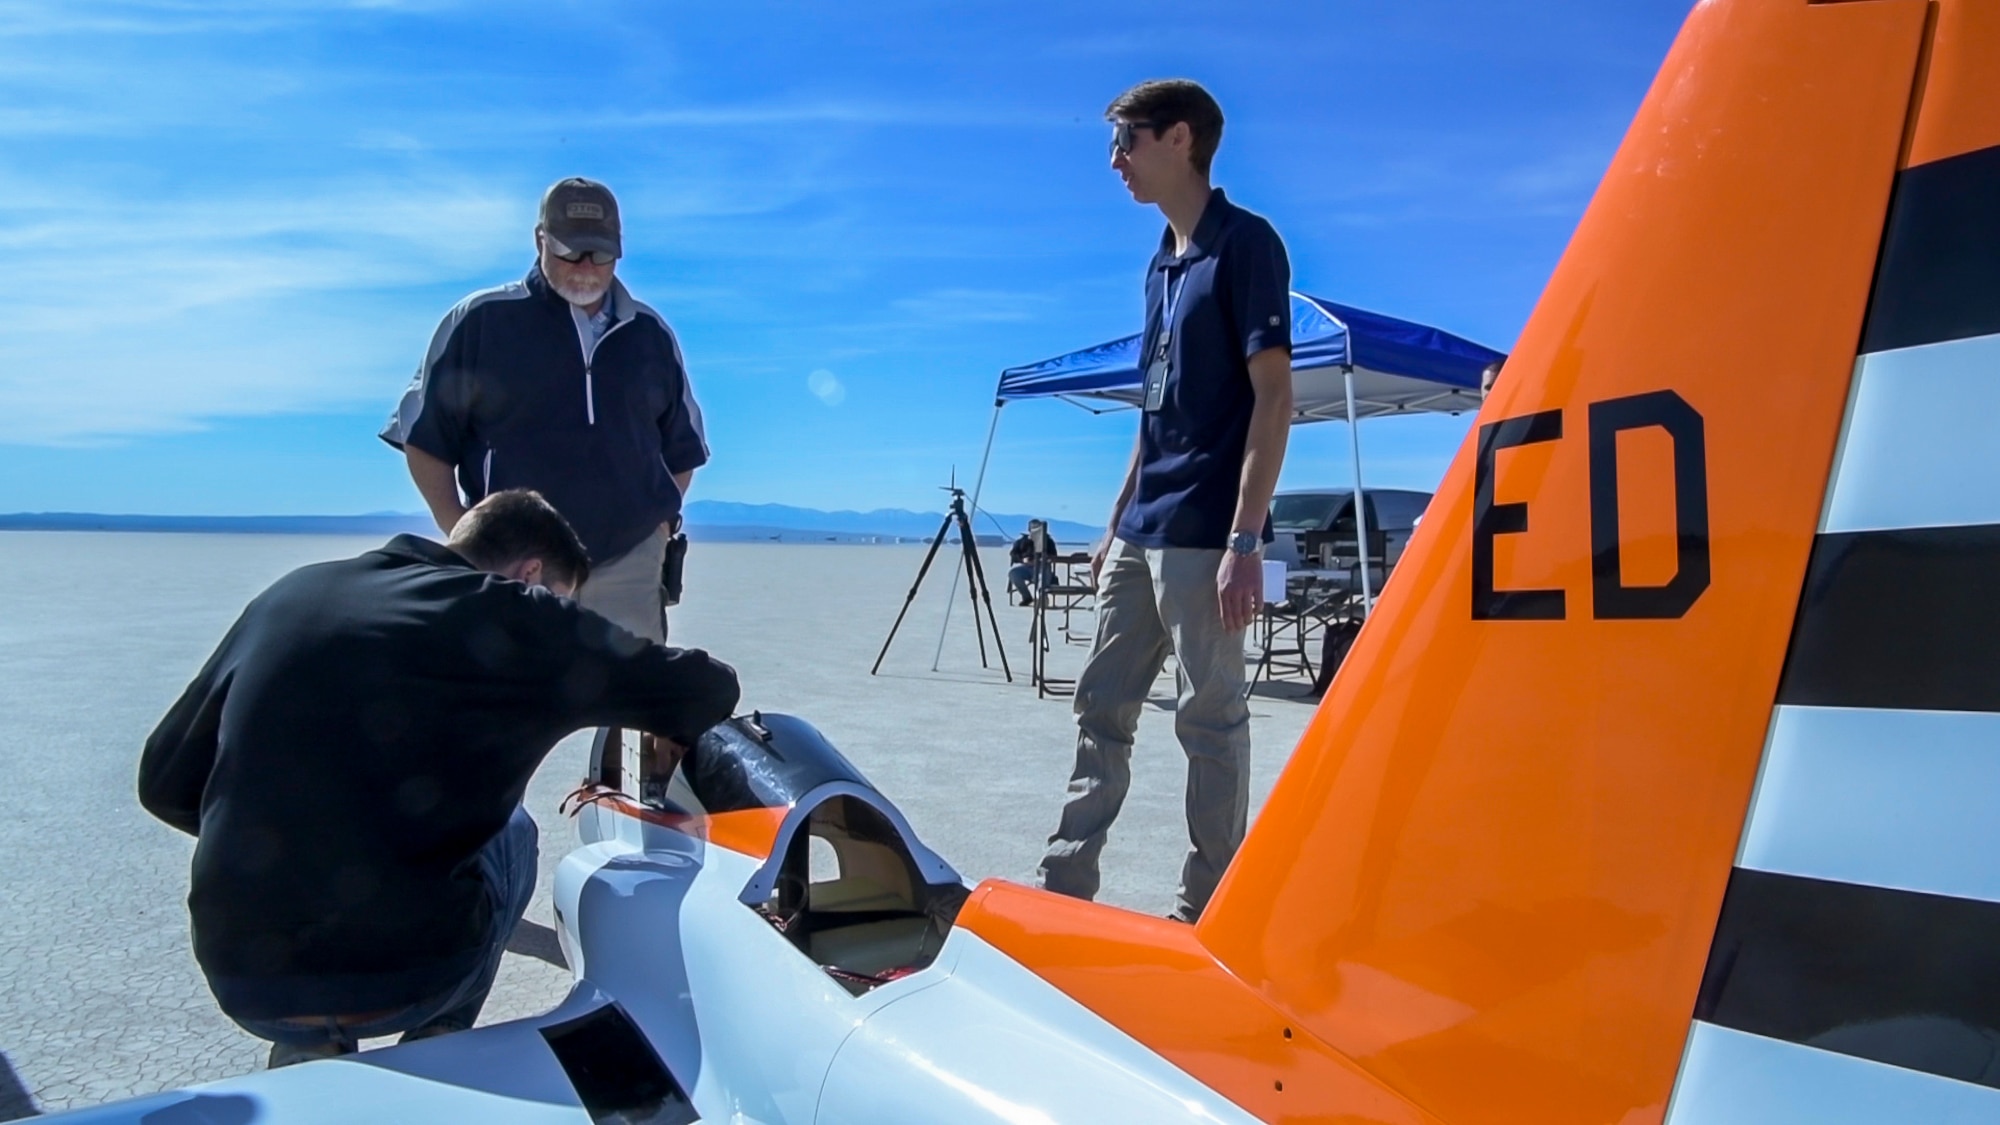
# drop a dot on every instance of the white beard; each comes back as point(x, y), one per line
point(581, 296)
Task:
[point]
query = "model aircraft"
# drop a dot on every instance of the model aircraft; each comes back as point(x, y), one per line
point(1703, 829)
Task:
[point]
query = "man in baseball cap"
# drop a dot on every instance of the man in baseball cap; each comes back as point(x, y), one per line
point(563, 383)
point(580, 214)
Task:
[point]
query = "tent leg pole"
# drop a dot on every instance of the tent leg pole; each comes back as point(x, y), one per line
point(1360, 497)
point(978, 483)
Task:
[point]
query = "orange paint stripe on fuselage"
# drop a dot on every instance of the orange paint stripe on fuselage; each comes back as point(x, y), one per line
point(1151, 978)
point(749, 831)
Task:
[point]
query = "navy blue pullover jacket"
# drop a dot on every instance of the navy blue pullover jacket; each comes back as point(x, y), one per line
point(361, 732)
point(509, 397)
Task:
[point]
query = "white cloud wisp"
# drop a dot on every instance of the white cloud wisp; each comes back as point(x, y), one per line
point(133, 317)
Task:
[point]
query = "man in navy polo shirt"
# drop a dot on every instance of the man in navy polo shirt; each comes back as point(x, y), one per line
point(564, 383)
point(1180, 570)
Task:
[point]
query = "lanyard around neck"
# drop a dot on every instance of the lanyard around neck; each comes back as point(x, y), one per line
point(1173, 295)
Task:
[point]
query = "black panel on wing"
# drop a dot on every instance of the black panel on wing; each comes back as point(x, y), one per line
point(617, 1074)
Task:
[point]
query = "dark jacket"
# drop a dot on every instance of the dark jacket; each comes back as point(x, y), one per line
point(508, 397)
point(1026, 548)
point(361, 732)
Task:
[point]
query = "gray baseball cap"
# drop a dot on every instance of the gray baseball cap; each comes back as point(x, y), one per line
point(582, 215)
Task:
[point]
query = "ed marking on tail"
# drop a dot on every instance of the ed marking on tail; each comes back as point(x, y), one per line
point(1611, 598)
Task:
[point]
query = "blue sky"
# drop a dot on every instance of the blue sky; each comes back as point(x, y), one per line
point(231, 228)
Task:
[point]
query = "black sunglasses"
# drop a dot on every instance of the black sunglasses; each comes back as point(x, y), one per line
point(597, 257)
point(1122, 134)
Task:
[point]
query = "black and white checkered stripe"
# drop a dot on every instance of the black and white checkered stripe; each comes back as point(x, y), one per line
point(1855, 974)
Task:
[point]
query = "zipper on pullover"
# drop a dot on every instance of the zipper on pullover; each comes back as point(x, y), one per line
point(589, 348)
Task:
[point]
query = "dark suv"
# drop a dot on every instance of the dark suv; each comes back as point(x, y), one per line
point(1392, 511)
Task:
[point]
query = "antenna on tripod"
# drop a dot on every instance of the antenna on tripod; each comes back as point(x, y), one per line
point(975, 581)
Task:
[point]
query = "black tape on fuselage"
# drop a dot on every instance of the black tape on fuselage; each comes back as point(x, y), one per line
point(617, 1074)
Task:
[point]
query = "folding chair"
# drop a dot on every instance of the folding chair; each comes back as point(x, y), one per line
point(1284, 626)
point(1072, 593)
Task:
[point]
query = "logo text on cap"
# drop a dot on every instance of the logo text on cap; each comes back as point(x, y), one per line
point(584, 210)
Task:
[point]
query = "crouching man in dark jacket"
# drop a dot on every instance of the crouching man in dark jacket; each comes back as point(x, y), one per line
point(352, 760)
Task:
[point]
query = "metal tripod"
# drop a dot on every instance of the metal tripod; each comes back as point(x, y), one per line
point(975, 576)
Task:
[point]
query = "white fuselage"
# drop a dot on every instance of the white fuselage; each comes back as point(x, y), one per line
point(755, 1031)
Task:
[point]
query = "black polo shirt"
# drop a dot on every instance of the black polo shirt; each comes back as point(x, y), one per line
point(362, 731)
point(1231, 298)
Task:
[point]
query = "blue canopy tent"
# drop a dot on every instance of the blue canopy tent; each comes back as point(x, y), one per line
point(1389, 366)
point(1347, 363)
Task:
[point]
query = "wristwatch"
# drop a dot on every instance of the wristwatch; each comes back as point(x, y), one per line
point(1244, 542)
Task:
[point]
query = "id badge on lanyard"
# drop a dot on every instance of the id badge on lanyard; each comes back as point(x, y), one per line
point(1160, 365)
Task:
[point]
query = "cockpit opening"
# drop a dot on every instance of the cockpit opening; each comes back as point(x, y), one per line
point(850, 895)
point(846, 881)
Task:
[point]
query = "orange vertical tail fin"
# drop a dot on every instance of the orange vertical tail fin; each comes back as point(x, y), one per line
point(1491, 873)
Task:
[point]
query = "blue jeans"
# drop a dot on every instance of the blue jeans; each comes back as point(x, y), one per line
point(507, 864)
point(1023, 578)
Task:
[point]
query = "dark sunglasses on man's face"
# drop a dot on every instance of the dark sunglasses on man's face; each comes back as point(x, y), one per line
point(1123, 135)
point(597, 257)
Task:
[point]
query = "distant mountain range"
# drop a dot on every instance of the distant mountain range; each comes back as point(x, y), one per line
point(717, 515)
point(708, 520)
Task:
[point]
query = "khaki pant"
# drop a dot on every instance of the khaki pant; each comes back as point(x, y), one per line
point(1151, 603)
point(627, 589)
